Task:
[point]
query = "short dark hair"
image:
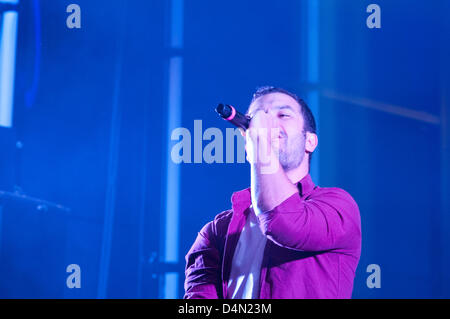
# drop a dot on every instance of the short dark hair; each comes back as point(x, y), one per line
point(308, 117)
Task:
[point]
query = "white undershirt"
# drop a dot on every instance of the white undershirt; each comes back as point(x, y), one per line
point(246, 265)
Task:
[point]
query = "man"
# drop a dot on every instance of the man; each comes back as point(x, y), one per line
point(284, 237)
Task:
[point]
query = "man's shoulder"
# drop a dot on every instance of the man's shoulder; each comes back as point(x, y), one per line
point(224, 216)
point(219, 225)
point(331, 190)
point(336, 199)
point(335, 194)
point(215, 231)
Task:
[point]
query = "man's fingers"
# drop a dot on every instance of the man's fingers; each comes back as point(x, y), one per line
point(262, 139)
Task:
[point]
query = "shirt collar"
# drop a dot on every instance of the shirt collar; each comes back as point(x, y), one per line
point(306, 185)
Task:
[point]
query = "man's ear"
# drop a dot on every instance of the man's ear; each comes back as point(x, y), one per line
point(311, 142)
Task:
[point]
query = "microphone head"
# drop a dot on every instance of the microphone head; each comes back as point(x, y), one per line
point(224, 110)
point(229, 113)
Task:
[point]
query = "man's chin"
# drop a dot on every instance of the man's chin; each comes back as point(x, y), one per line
point(287, 164)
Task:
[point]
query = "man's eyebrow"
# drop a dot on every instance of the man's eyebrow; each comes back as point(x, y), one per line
point(280, 107)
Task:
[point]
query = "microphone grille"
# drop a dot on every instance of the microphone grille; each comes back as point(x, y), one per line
point(224, 110)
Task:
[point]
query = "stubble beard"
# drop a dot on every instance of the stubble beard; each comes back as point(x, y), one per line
point(291, 152)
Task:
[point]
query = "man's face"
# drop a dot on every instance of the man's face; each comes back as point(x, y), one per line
point(287, 117)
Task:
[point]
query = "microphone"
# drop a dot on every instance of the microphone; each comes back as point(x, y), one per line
point(229, 113)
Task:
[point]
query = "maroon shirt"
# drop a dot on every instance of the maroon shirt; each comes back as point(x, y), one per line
point(313, 248)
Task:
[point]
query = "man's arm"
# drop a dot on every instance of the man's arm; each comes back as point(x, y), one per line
point(328, 220)
point(270, 185)
point(203, 267)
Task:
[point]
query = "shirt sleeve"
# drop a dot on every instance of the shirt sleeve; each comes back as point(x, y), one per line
point(325, 221)
point(202, 271)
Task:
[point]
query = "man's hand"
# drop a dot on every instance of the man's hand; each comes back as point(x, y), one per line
point(262, 143)
point(269, 184)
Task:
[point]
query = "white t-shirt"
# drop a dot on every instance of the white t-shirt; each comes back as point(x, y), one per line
point(246, 265)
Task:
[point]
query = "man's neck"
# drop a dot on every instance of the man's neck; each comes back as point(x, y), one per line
point(295, 175)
